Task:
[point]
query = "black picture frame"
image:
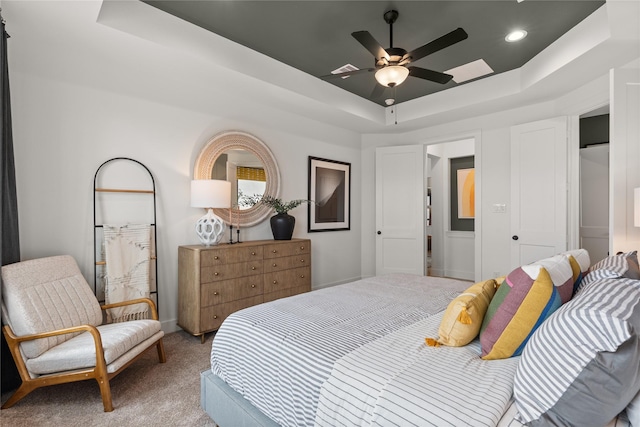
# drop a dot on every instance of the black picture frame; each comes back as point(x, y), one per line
point(330, 191)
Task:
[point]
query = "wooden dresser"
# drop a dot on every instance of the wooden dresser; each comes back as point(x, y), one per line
point(215, 281)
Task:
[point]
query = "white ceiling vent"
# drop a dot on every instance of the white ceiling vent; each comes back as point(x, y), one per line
point(470, 71)
point(344, 69)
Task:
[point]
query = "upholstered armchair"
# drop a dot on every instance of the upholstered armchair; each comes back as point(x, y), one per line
point(54, 328)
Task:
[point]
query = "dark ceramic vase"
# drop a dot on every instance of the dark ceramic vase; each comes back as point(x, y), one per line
point(282, 226)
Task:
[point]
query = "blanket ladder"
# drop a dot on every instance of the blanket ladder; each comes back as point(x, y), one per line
point(117, 202)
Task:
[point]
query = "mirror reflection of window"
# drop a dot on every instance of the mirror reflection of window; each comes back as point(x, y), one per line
point(251, 182)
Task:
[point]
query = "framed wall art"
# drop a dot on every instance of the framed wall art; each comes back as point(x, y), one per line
point(330, 191)
point(462, 196)
point(466, 193)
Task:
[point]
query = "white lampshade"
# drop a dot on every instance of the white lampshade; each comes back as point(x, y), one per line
point(210, 193)
point(392, 75)
point(636, 207)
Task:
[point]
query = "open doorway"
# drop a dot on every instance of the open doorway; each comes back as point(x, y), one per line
point(450, 247)
point(594, 183)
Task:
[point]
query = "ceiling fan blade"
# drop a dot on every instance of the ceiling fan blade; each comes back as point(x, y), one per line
point(447, 40)
point(370, 44)
point(377, 91)
point(347, 73)
point(434, 76)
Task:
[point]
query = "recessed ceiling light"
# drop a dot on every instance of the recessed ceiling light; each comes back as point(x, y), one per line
point(516, 35)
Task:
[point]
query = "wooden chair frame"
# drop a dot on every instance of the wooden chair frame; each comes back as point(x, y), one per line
point(99, 372)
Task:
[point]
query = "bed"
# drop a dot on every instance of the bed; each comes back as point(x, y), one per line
point(355, 354)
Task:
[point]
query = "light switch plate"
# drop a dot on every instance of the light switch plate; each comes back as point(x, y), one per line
point(499, 208)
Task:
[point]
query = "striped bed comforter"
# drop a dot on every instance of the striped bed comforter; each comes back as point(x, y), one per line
point(354, 354)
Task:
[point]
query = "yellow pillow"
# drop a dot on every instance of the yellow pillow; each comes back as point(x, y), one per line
point(462, 319)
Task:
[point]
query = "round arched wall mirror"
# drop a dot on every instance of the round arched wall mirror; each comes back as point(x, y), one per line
point(249, 165)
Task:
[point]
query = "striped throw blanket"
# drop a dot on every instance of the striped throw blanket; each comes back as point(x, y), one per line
point(398, 381)
point(127, 256)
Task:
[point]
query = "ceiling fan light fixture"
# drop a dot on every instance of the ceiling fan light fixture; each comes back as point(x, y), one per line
point(391, 76)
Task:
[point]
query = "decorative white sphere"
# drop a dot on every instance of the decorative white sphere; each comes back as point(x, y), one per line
point(210, 229)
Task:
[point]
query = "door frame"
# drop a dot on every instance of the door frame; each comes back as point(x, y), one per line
point(476, 135)
point(573, 174)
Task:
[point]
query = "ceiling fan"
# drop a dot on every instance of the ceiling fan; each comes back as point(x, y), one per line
point(391, 64)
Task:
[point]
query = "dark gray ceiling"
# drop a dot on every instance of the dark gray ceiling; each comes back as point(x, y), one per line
point(315, 36)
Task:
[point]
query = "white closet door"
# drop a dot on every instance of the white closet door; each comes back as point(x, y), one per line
point(400, 206)
point(538, 190)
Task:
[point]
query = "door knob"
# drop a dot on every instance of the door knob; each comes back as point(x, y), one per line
point(379, 232)
point(514, 237)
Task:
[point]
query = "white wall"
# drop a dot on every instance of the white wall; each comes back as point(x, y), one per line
point(83, 93)
point(494, 130)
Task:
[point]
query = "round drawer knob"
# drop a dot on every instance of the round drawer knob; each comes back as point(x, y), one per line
point(216, 273)
point(215, 293)
point(302, 276)
point(275, 282)
point(253, 286)
point(253, 253)
point(216, 257)
point(253, 268)
point(302, 248)
point(301, 260)
point(275, 265)
point(274, 251)
point(215, 316)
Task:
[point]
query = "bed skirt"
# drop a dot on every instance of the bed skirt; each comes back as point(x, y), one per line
point(227, 407)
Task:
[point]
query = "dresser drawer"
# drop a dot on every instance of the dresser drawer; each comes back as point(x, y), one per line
point(211, 317)
point(286, 263)
point(230, 290)
point(286, 249)
point(216, 281)
point(227, 255)
point(285, 279)
point(230, 271)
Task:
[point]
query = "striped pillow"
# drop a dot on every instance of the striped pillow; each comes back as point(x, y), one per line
point(582, 366)
point(521, 303)
point(580, 262)
point(561, 272)
point(623, 265)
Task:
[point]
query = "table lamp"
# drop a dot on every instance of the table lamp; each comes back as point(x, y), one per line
point(210, 194)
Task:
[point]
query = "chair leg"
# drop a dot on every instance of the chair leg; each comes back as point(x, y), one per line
point(24, 389)
point(105, 392)
point(161, 356)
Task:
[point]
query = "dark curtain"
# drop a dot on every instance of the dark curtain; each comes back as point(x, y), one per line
point(10, 250)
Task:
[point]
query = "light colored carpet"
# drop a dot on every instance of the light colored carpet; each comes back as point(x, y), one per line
point(147, 393)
